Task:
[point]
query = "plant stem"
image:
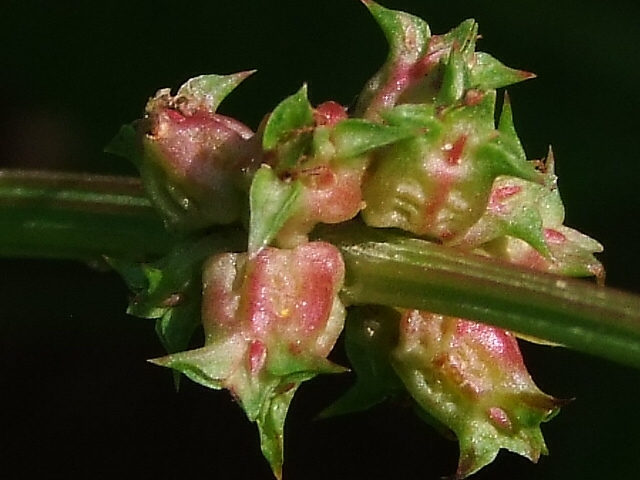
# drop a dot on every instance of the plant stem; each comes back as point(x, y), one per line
point(77, 216)
point(83, 217)
point(404, 272)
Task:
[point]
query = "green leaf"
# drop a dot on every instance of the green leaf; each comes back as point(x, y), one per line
point(264, 396)
point(454, 81)
point(463, 37)
point(169, 290)
point(291, 115)
point(271, 427)
point(276, 392)
point(298, 367)
point(209, 366)
point(292, 153)
point(159, 285)
point(176, 327)
point(272, 203)
point(423, 116)
point(355, 137)
point(178, 324)
point(505, 161)
point(408, 38)
point(371, 333)
point(143, 280)
point(208, 91)
point(526, 224)
point(407, 35)
point(133, 273)
point(489, 73)
point(126, 144)
point(480, 117)
point(507, 129)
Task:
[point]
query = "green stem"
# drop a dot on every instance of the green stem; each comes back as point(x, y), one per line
point(389, 269)
point(76, 216)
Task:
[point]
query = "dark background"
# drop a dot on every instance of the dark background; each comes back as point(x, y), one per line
point(78, 400)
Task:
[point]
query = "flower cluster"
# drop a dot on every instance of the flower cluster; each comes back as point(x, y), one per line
point(422, 153)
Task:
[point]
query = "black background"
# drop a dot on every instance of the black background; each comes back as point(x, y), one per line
point(78, 400)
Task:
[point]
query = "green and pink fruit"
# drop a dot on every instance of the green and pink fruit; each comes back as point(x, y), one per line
point(442, 70)
point(321, 155)
point(329, 178)
point(523, 225)
point(270, 321)
point(438, 183)
point(192, 160)
point(471, 378)
point(570, 253)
